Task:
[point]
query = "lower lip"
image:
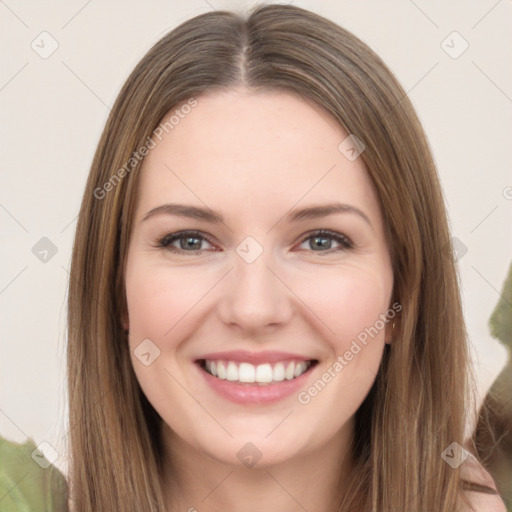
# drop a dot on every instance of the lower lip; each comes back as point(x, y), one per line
point(247, 394)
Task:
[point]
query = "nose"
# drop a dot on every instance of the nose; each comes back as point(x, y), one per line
point(255, 297)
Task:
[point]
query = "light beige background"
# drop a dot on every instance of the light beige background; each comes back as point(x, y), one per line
point(53, 111)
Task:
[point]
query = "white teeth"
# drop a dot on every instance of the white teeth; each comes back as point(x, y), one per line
point(264, 373)
point(289, 372)
point(278, 372)
point(221, 370)
point(246, 372)
point(261, 374)
point(211, 367)
point(300, 369)
point(232, 371)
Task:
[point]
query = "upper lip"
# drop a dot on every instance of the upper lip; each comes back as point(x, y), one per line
point(245, 356)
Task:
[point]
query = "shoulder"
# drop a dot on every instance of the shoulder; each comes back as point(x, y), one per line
point(484, 496)
point(28, 480)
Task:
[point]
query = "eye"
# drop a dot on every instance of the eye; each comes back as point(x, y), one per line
point(323, 239)
point(188, 242)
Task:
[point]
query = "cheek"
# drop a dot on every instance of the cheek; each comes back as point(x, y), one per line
point(348, 301)
point(163, 305)
point(158, 300)
point(158, 304)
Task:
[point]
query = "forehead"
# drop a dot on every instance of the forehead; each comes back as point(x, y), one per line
point(262, 150)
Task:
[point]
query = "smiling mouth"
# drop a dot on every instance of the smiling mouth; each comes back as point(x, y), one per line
point(260, 375)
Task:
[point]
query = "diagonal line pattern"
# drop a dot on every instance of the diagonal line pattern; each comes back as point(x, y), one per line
point(486, 14)
point(165, 165)
point(424, 13)
point(76, 14)
point(68, 224)
point(286, 491)
point(305, 194)
point(280, 423)
point(414, 86)
point(13, 279)
point(216, 487)
point(15, 424)
point(198, 402)
point(14, 218)
point(14, 76)
point(86, 85)
point(484, 218)
point(197, 302)
point(301, 300)
point(13, 13)
point(422, 78)
point(15, 485)
point(490, 284)
point(491, 80)
point(206, 1)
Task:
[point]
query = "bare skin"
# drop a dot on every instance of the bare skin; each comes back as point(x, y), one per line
point(253, 158)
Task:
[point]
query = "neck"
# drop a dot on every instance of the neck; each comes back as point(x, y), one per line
point(314, 480)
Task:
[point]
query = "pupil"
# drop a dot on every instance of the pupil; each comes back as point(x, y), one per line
point(325, 244)
point(190, 244)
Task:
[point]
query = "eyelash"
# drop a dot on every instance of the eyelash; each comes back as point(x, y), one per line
point(164, 243)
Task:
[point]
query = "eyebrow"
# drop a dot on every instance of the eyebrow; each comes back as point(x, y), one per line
point(214, 217)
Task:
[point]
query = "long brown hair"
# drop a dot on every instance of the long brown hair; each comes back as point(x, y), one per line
point(416, 407)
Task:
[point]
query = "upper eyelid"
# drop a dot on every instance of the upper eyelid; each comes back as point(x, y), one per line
point(182, 234)
point(199, 234)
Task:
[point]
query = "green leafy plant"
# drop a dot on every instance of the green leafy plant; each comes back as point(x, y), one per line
point(493, 436)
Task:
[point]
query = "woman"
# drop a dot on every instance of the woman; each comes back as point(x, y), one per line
point(263, 312)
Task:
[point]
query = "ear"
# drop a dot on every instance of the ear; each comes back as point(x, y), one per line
point(121, 286)
point(389, 332)
point(125, 322)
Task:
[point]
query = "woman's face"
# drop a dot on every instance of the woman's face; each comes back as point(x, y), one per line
point(259, 295)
